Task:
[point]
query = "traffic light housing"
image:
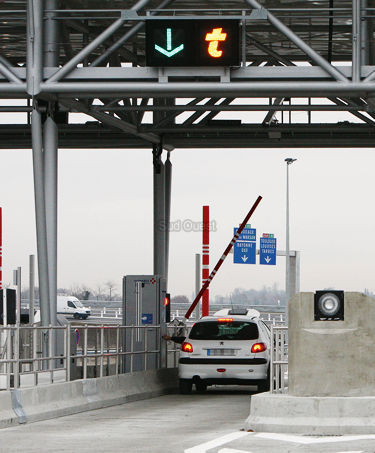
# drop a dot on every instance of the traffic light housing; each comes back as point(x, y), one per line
point(167, 307)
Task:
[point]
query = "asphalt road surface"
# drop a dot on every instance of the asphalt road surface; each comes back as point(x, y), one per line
point(208, 423)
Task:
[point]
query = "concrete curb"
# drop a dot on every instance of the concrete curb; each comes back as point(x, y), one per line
point(278, 413)
point(57, 400)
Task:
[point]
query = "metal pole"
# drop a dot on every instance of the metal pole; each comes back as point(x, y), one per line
point(50, 144)
point(168, 191)
point(159, 213)
point(197, 281)
point(51, 35)
point(366, 39)
point(36, 76)
point(193, 89)
point(206, 259)
point(30, 43)
point(356, 41)
point(288, 161)
point(40, 215)
point(50, 193)
point(18, 296)
point(31, 288)
point(287, 263)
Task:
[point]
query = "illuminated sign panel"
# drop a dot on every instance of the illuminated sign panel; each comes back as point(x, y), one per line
point(192, 43)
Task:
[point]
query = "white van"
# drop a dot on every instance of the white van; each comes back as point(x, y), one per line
point(73, 306)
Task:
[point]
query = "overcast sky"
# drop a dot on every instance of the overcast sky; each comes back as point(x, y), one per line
point(105, 214)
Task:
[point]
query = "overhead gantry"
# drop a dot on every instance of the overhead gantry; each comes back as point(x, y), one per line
point(297, 59)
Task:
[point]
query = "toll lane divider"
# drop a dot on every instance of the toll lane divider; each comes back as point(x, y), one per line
point(57, 400)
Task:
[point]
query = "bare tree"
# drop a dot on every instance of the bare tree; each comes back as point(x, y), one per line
point(111, 285)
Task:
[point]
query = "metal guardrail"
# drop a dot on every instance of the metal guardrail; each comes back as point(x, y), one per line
point(279, 359)
point(86, 351)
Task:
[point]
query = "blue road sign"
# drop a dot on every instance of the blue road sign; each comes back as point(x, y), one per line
point(146, 318)
point(244, 252)
point(248, 234)
point(267, 251)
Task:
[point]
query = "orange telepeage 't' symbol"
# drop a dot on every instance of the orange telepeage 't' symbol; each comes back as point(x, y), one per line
point(214, 39)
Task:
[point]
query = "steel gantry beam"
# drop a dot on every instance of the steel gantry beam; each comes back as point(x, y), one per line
point(63, 58)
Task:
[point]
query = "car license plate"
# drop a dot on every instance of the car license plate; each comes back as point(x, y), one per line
point(220, 352)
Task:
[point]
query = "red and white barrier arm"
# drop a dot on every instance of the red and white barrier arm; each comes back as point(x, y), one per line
point(221, 260)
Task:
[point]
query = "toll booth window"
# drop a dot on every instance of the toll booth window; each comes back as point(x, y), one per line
point(71, 304)
point(234, 330)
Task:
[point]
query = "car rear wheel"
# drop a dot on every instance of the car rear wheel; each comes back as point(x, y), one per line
point(185, 386)
point(264, 386)
point(201, 387)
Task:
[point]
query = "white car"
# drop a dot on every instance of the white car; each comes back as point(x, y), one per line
point(230, 347)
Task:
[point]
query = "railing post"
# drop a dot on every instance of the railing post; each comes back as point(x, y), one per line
point(273, 345)
point(131, 349)
point(68, 358)
point(145, 354)
point(84, 362)
point(101, 349)
point(16, 370)
point(36, 364)
point(50, 353)
point(117, 348)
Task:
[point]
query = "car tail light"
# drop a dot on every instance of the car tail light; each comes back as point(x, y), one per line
point(225, 320)
point(186, 347)
point(221, 370)
point(258, 347)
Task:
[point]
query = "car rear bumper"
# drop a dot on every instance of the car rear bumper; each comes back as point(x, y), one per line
point(235, 371)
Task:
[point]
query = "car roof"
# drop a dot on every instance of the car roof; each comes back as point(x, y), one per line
point(234, 317)
point(242, 312)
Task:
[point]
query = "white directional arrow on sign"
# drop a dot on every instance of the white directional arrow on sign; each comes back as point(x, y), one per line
point(244, 258)
point(267, 259)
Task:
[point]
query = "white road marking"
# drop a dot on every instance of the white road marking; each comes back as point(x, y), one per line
point(202, 448)
point(231, 450)
point(313, 440)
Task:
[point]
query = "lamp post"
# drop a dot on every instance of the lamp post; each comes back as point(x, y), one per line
point(288, 161)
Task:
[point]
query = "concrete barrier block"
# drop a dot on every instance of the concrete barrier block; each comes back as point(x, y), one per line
point(57, 400)
point(7, 415)
point(311, 415)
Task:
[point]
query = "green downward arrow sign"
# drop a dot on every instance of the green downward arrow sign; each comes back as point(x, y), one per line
point(169, 52)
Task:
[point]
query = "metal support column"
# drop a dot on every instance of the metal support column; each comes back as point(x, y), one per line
point(34, 46)
point(31, 289)
point(50, 140)
point(40, 215)
point(366, 37)
point(168, 191)
point(50, 145)
point(159, 212)
point(356, 39)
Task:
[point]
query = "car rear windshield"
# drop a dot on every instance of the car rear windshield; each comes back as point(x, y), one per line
point(230, 330)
